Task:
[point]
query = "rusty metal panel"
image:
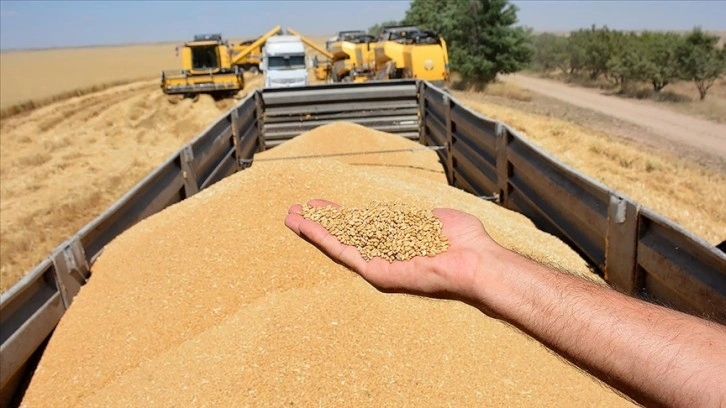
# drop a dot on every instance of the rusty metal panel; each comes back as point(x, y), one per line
point(621, 244)
point(679, 269)
point(566, 204)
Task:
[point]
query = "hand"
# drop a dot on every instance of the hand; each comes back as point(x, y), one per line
point(455, 274)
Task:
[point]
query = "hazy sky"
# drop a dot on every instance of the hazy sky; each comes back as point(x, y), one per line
point(35, 24)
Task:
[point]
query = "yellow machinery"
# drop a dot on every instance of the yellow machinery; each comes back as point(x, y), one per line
point(250, 63)
point(408, 52)
point(350, 57)
point(209, 67)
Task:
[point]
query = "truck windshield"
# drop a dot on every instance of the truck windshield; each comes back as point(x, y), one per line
point(286, 62)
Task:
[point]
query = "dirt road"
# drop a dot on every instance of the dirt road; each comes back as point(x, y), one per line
point(677, 128)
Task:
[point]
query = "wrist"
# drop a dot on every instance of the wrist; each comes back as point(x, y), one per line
point(492, 278)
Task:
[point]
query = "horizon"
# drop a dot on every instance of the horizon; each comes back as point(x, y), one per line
point(39, 25)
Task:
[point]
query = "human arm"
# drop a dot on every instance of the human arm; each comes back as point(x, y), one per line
point(655, 355)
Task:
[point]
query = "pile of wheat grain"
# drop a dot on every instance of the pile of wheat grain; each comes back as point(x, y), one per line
point(214, 302)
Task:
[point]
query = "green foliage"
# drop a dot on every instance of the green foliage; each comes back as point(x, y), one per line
point(480, 34)
point(660, 58)
point(628, 63)
point(701, 60)
point(623, 58)
point(550, 53)
point(431, 15)
point(376, 29)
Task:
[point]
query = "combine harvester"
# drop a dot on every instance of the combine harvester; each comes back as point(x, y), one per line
point(349, 57)
point(406, 52)
point(403, 52)
point(251, 62)
point(209, 67)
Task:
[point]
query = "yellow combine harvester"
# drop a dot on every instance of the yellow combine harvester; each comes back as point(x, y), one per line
point(408, 52)
point(251, 62)
point(349, 57)
point(208, 66)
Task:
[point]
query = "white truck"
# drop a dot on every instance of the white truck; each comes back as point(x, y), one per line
point(283, 62)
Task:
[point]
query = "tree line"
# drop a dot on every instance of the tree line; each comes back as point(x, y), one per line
point(484, 40)
point(623, 58)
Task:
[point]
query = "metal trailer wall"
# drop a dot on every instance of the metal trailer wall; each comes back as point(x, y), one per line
point(638, 251)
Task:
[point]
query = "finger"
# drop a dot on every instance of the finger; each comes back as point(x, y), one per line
point(295, 209)
point(317, 202)
point(350, 257)
point(292, 221)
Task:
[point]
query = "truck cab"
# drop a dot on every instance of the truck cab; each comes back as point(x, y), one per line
point(284, 63)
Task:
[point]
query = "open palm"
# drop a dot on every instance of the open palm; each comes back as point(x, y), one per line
point(449, 275)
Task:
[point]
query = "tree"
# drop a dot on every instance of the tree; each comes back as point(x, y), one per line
point(550, 53)
point(701, 60)
point(661, 58)
point(432, 15)
point(482, 37)
point(629, 62)
point(376, 29)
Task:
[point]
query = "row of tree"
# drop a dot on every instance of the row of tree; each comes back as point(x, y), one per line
point(623, 58)
point(484, 40)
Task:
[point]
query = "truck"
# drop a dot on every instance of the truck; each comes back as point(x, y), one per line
point(284, 63)
point(636, 250)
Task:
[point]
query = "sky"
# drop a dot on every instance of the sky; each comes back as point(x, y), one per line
point(43, 24)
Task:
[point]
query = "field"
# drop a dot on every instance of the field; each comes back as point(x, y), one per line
point(44, 75)
point(64, 162)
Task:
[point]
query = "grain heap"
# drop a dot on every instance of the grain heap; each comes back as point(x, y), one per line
point(392, 231)
point(214, 302)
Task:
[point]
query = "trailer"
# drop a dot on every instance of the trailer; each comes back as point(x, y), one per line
point(636, 250)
